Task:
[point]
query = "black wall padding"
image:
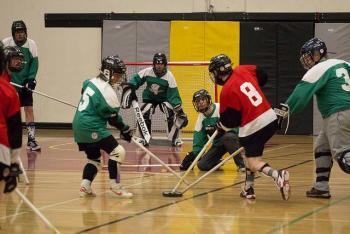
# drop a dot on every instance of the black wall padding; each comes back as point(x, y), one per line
point(291, 36)
point(258, 46)
point(275, 46)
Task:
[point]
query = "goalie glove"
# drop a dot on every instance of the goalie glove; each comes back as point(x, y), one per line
point(282, 112)
point(181, 119)
point(128, 96)
point(186, 163)
point(126, 134)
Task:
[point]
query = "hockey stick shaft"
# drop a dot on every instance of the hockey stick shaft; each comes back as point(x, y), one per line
point(36, 211)
point(157, 159)
point(141, 121)
point(196, 160)
point(44, 95)
point(213, 169)
point(23, 170)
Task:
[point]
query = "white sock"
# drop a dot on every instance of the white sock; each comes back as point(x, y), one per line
point(85, 183)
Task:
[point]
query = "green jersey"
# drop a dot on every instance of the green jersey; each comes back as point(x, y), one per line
point(31, 62)
point(98, 103)
point(205, 126)
point(158, 89)
point(330, 82)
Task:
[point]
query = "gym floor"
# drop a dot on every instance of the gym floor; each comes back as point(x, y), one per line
point(212, 206)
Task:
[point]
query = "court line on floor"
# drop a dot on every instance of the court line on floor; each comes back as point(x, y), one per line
point(307, 214)
point(71, 200)
point(175, 202)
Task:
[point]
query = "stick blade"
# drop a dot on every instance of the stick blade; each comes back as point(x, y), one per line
point(172, 194)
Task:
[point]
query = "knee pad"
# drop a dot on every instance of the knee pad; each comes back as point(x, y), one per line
point(344, 161)
point(96, 163)
point(147, 110)
point(118, 154)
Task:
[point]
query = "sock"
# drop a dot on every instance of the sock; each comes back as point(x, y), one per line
point(31, 131)
point(85, 183)
point(269, 171)
point(89, 172)
point(249, 179)
point(113, 169)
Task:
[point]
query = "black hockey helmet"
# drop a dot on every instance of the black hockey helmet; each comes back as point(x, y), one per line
point(160, 58)
point(111, 65)
point(19, 25)
point(13, 52)
point(308, 50)
point(220, 67)
point(197, 96)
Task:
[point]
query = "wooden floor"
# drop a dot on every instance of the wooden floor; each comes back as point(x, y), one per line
point(212, 206)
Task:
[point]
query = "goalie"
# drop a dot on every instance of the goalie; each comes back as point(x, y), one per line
point(161, 90)
point(205, 126)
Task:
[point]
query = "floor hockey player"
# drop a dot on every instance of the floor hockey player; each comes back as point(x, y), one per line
point(329, 81)
point(205, 127)
point(243, 105)
point(99, 104)
point(161, 90)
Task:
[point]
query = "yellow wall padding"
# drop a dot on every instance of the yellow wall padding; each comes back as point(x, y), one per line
point(199, 41)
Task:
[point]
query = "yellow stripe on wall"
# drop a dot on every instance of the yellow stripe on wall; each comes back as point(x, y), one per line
point(199, 41)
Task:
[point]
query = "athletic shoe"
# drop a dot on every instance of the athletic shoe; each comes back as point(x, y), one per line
point(33, 145)
point(249, 193)
point(282, 183)
point(315, 193)
point(121, 192)
point(86, 192)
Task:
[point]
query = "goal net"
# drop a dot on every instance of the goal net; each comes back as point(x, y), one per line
point(190, 76)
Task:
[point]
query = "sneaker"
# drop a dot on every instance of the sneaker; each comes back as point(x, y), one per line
point(249, 193)
point(121, 192)
point(86, 192)
point(177, 142)
point(33, 145)
point(315, 193)
point(282, 183)
point(141, 141)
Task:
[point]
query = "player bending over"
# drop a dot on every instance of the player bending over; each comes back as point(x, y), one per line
point(99, 104)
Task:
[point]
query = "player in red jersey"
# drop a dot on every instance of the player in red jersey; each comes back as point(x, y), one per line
point(10, 128)
point(243, 105)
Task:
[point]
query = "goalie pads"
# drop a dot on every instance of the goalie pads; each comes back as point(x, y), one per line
point(128, 96)
point(181, 119)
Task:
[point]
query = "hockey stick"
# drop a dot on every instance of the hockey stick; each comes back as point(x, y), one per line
point(212, 170)
point(23, 170)
point(141, 121)
point(175, 193)
point(44, 95)
point(157, 159)
point(36, 211)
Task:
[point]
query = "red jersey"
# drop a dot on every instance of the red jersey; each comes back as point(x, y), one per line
point(243, 104)
point(9, 106)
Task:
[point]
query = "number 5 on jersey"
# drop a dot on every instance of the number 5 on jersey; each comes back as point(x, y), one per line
point(86, 98)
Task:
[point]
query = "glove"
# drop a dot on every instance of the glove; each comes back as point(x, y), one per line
point(220, 129)
point(29, 84)
point(210, 129)
point(181, 119)
point(126, 134)
point(186, 163)
point(11, 179)
point(282, 112)
point(128, 96)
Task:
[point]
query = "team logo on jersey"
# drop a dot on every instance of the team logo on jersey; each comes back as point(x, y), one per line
point(94, 135)
point(154, 89)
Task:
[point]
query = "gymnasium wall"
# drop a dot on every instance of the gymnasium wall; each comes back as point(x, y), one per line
point(68, 56)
